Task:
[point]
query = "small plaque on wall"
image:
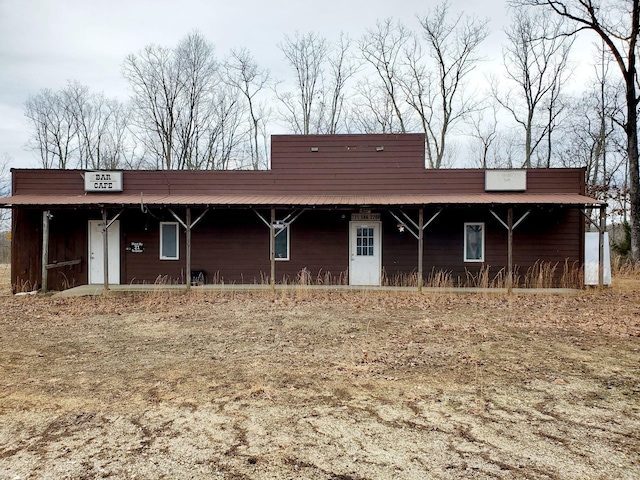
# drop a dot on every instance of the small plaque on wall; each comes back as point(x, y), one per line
point(137, 247)
point(365, 217)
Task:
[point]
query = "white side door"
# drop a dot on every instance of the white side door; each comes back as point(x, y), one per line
point(365, 265)
point(96, 248)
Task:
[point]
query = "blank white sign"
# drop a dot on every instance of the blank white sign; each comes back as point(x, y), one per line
point(591, 247)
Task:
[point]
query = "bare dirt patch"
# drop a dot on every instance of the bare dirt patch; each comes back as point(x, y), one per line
point(321, 385)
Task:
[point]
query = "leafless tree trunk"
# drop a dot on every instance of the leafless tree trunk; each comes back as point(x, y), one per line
point(224, 135)
point(154, 79)
point(437, 94)
point(341, 68)
point(372, 112)
point(180, 105)
point(618, 26)
point(484, 130)
point(101, 126)
point(5, 191)
point(383, 48)
point(593, 132)
point(306, 54)
point(535, 60)
point(197, 80)
point(243, 73)
point(54, 128)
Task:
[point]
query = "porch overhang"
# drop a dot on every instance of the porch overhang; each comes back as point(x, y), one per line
point(309, 200)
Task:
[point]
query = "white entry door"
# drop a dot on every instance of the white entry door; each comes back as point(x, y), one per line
point(96, 247)
point(365, 266)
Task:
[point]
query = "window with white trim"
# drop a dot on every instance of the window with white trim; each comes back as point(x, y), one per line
point(474, 242)
point(281, 242)
point(169, 241)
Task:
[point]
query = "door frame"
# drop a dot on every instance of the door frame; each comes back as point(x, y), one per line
point(353, 224)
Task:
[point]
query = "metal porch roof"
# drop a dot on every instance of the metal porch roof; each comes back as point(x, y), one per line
point(289, 200)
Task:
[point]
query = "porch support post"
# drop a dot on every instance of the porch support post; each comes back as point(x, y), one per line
point(45, 249)
point(510, 250)
point(420, 246)
point(105, 248)
point(272, 249)
point(601, 230)
point(188, 224)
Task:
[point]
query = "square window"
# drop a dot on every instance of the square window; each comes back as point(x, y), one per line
point(169, 241)
point(474, 242)
point(364, 241)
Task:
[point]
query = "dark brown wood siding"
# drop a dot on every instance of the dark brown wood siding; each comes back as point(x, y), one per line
point(343, 164)
point(26, 247)
point(67, 242)
point(550, 235)
point(373, 179)
point(232, 246)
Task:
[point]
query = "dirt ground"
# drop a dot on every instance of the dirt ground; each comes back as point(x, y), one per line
point(321, 385)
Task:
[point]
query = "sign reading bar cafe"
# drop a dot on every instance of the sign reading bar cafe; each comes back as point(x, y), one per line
point(103, 181)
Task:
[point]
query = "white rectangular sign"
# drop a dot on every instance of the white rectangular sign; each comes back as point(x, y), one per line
point(591, 264)
point(103, 181)
point(505, 180)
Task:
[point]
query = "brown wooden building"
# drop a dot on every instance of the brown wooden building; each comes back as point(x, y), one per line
point(357, 209)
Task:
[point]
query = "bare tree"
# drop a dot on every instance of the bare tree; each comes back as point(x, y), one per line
point(306, 54)
point(5, 213)
point(180, 105)
point(54, 128)
point(372, 111)
point(383, 49)
point(436, 90)
point(197, 81)
point(154, 79)
point(592, 136)
point(617, 24)
point(484, 132)
point(100, 126)
point(535, 60)
point(243, 73)
point(341, 67)
point(5, 186)
point(224, 135)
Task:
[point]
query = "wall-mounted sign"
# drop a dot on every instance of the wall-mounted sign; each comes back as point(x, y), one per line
point(137, 247)
point(103, 181)
point(505, 180)
point(364, 217)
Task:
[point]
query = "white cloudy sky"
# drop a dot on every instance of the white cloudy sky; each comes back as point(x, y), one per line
point(44, 43)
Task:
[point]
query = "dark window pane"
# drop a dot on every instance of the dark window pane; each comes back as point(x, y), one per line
point(169, 240)
point(474, 242)
point(281, 247)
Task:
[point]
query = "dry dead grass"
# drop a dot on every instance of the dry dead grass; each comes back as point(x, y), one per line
point(321, 385)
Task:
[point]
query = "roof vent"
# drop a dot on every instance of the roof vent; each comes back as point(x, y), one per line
point(314, 149)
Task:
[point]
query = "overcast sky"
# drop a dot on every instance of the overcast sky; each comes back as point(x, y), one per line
point(44, 43)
